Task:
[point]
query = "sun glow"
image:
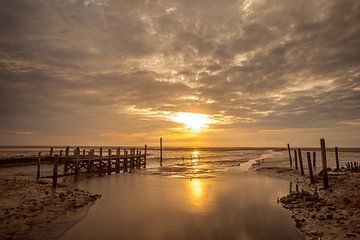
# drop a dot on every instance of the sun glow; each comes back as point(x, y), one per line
point(193, 121)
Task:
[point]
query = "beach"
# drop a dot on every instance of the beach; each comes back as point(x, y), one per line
point(215, 194)
point(332, 213)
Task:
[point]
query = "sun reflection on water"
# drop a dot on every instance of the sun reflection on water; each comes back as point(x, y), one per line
point(196, 188)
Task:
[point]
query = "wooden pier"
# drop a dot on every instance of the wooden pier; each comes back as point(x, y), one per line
point(120, 160)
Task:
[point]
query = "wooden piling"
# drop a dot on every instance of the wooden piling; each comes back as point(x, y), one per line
point(337, 158)
point(83, 152)
point(51, 152)
point(288, 146)
point(161, 158)
point(100, 163)
point(145, 155)
point(125, 161)
point(38, 166)
point(296, 160)
point(109, 162)
point(324, 163)
point(89, 161)
point(314, 159)
point(312, 180)
point(66, 160)
point(301, 162)
point(77, 156)
point(117, 164)
point(55, 174)
point(61, 152)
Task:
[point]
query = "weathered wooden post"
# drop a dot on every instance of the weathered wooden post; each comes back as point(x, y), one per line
point(83, 152)
point(145, 155)
point(301, 162)
point(117, 164)
point(61, 152)
point(337, 158)
point(288, 146)
point(51, 152)
point(161, 159)
point(312, 180)
point(314, 159)
point(38, 166)
point(100, 163)
point(89, 161)
point(324, 163)
point(77, 156)
point(66, 160)
point(296, 160)
point(109, 162)
point(125, 161)
point(56, 162)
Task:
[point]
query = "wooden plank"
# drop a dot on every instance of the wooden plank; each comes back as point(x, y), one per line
point(55, 177)
point(312, 180)
point(301, 162)
point(337, 158)
point(288, 146)
point(324, 163)
point(38, 166)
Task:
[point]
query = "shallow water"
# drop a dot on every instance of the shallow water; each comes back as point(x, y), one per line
point(163, 204)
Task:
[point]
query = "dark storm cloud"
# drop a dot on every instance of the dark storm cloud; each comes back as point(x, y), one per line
point(266, 64)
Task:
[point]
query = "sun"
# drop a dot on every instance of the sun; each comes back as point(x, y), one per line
point(192, 121)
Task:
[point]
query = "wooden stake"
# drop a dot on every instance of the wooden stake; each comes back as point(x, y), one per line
point(161, 159)
point(117, 164)
point(296, 160)
point(89, 161)
point(314, 159)
point(100, 163)
point(66, 160)
point(109, 162)
point(125, 161)
point(38, 166)
point(324, 163)
point(288, 146)
point(312, 180)
point(337, 158)
point(301, 162)
point(51, 152)
point(61, 152)
point(56, 161)
point(145, 156)
point(77, 156)
point(84, 152)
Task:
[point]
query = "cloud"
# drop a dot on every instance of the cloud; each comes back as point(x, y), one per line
point(75, 67)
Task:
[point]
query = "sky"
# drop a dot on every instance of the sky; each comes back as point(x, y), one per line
point(197, 73)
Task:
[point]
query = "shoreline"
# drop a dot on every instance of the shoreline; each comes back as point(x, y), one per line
point(333, 213)
point(32, 209)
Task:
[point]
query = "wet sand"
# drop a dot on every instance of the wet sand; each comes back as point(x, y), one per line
point(321, 214)
point(32, 209)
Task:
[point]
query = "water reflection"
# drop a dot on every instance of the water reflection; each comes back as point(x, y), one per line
point(196, 192)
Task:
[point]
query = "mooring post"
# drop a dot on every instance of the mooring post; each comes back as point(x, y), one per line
point(288, 146)
point(324, 163)
point(125, 161)
point(100, 163)
point(56, 162)
point(38, 166)
point(337, 158)
point(314, 159)
point(109, 162)
point(301, 162)
point(117, 164)
point(51, 152)
point(66, 160)
point(89, 162)
point(77, 160)
point(161, 158)
point(145, 155)
point(296, 160)
point(312, 180)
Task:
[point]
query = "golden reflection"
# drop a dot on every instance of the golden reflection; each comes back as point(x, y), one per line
point(196, 187)
point(195, 156)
